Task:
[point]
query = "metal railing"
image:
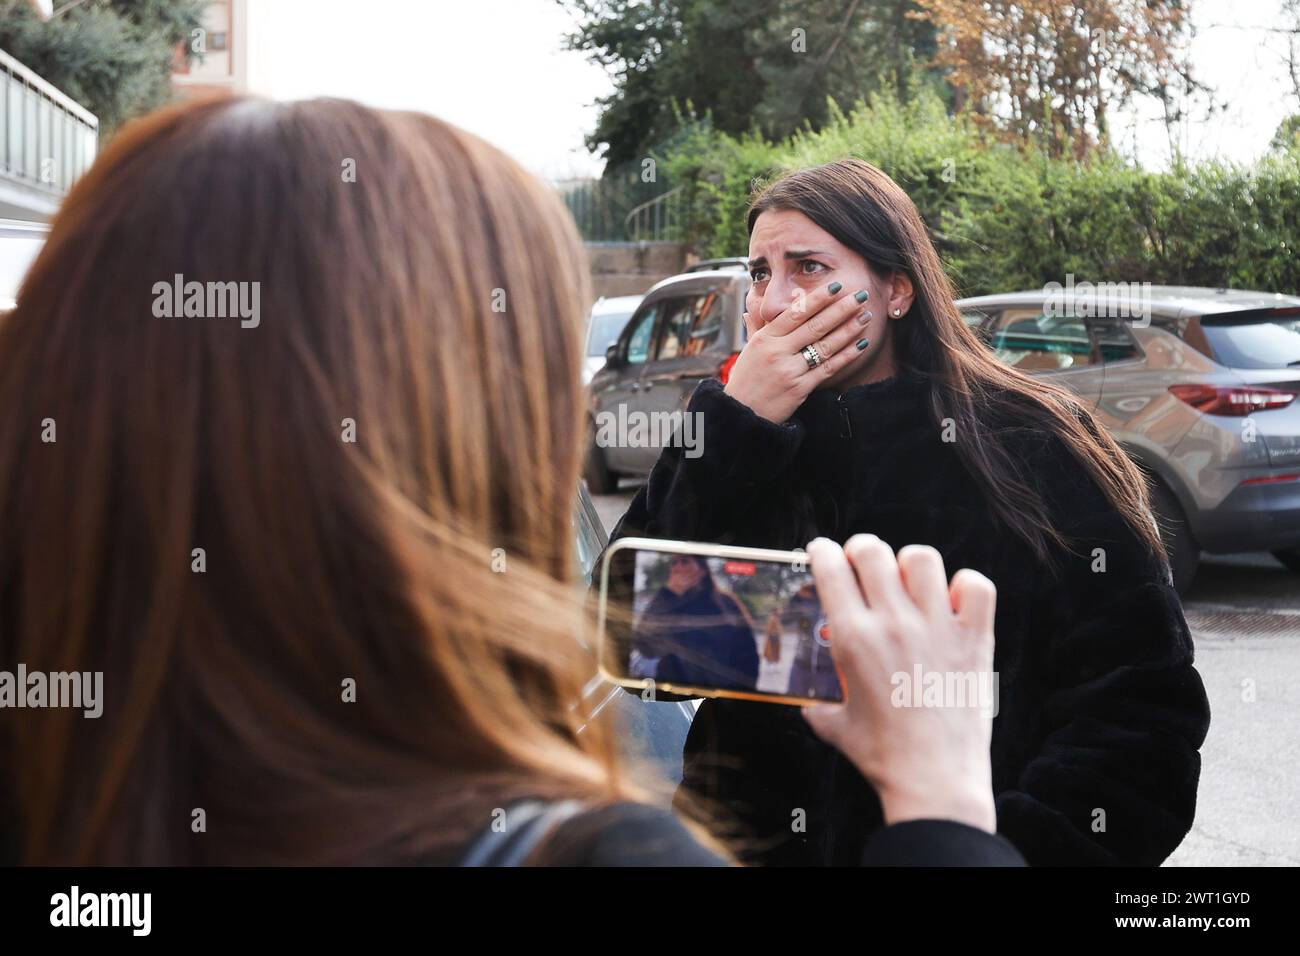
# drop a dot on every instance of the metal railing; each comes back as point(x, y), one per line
point(47, 139)
point(654, 220)
point(620, 207)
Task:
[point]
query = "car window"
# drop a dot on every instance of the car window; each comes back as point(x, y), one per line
point(1264, 344)
point(1115, 342)
point(1033, 342)
point(638, 343)
point(678, 314)
point(604, 331)
point(706, 323)
point(981, 322)
point(690, 325)
point(588, 532)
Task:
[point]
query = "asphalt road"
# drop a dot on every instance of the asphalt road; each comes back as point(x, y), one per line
point(1244, 612)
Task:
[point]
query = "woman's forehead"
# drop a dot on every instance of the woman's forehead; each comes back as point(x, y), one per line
point(779, 232)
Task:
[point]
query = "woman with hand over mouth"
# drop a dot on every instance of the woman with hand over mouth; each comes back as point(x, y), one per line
point(862, 403)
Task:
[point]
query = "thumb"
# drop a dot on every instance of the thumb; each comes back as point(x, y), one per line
point(827, 721)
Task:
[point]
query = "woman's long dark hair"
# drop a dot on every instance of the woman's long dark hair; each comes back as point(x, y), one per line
point(869, 213)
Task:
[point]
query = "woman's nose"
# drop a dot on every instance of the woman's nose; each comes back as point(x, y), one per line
point(776, 299)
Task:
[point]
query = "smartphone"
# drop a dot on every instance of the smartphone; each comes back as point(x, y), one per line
point(706, 620)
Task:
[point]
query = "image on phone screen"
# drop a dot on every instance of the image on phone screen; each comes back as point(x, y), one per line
point(720, 624)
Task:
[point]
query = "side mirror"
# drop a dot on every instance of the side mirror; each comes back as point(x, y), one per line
point(612, 357)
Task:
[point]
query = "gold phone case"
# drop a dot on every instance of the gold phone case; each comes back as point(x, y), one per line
point(797, 559)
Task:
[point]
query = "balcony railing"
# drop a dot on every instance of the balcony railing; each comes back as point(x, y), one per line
point(47, 140)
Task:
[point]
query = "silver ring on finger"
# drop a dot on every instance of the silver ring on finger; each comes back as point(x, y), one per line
point(812, 356)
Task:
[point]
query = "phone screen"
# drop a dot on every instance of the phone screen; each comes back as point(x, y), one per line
point(716, 622)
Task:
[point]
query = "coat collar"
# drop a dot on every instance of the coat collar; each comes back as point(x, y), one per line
point(876, 408)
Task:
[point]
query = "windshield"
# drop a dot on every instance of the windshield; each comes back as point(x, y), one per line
point(604, 331)
point(1267, 344)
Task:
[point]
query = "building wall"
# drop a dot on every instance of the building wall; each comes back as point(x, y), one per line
point(224, 66)
point(630, 268)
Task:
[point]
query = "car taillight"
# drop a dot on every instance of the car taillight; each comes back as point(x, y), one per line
point(1235, 400)
point(724, 370)
point(1271, 479)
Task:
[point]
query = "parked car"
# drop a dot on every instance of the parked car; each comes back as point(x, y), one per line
point(1203, 398)
point(608, 317)
point(712, 265)
point(19, 244)
point(650, 733)
point(687, 328)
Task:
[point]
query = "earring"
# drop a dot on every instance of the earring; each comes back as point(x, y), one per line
point(897, 313)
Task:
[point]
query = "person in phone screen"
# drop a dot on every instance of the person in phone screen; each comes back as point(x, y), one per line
point(693, 633)
point(813, 673)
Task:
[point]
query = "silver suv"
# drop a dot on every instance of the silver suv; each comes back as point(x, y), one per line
point(687, 328)
point(1202, 395)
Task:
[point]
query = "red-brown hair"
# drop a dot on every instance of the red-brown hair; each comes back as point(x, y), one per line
point(414, 281)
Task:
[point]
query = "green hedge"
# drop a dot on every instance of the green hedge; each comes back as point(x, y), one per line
point(1009, 218)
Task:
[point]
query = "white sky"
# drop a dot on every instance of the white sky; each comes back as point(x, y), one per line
point(1244, 66)
point(497, 68)
point(494, 67)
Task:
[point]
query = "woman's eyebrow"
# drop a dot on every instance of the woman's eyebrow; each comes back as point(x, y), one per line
point(789, 255)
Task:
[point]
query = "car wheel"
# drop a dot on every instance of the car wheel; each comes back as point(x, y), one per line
point(600, 480)
point(1180, 546)
point(1290, 559)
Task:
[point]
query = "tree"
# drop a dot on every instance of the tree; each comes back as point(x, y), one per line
point(1291, 29)
point(1287, 136)
point(1052, 72)
point(115, 57)
point(765, 64)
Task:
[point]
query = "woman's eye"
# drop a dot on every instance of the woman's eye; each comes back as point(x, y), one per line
point(809, 267)
point(758, 275)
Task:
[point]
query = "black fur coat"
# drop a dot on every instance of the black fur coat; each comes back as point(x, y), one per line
point(1095, 746)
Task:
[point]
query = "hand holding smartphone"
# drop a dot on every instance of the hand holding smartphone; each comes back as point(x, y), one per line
point(717, 621)
point(896, 619)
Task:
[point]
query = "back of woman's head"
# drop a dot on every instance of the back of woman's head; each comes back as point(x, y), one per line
point(267, 507)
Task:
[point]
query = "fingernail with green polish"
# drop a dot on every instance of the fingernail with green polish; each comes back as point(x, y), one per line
point(862, 296)
point(835, 287)
point(863, 343)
